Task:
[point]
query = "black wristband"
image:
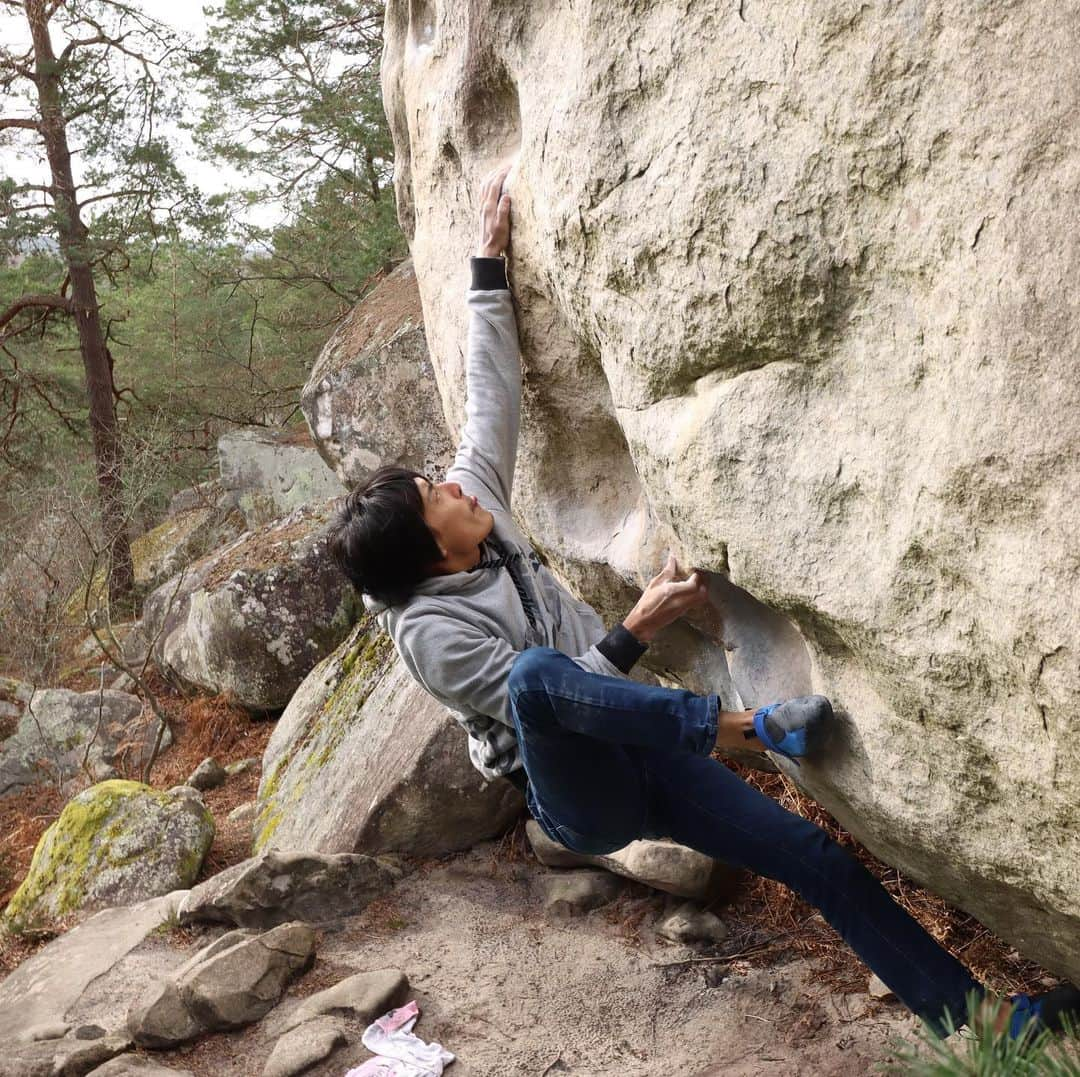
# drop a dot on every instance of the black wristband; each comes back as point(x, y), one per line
point(488, 274)
point(621, 649)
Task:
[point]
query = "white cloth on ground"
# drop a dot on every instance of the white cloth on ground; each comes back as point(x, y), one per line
point(398, 1053)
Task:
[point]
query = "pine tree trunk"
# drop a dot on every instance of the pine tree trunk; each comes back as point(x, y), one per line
point(75, 249)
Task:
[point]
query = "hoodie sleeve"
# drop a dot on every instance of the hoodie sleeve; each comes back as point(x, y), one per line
point(488, 448)
point(465, 669)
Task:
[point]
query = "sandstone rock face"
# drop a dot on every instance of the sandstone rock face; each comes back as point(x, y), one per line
point(794, 299)
point(255, 617)
point(372, 397)
point(46, 986)
point(114, 843)
point(58, 728)
point(269, 473)
point(363, 760)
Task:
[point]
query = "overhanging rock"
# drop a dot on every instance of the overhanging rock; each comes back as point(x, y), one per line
point(794, 299)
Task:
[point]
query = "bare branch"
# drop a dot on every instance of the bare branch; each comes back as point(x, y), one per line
point(16, 121)
point(54, 302)
point(114, 194)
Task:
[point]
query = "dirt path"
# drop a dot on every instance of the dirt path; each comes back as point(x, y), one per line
point(512, 992)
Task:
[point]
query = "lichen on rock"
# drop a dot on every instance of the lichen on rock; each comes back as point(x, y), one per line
point(253, 618)
point(363, 760)
point(115, 843)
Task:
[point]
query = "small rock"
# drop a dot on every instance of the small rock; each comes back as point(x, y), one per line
point(689, 924)
point(89, 1032)
point(304, 1046)
point(276, 887)
point(244, 982)
point(49, 1030)
point(361, 998)
point(243, 814)
point(162, 1019)
point(89, 1056)
point(663, 865)
point(234, 980)
point(573, 893)
point(879, 989)
point(209, 774)
point(241, 765)
point(134, 1066)
point(125, 682)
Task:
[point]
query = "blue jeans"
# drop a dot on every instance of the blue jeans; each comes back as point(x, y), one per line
point(611, 760)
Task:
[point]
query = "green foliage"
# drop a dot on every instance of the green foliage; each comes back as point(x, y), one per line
point(294, 101)
point(211, 322)
point(986, 1054)
point(116, 103)
point(294, 92)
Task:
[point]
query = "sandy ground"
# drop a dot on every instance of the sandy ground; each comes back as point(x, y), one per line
point(512, 992)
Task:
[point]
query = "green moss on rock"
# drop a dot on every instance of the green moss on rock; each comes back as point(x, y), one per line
point(360, 662)
point(117, 841)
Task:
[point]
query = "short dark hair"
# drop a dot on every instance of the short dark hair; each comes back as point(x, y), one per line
point(379, 537)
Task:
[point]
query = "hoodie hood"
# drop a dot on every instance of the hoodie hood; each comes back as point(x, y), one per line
point(454, 583)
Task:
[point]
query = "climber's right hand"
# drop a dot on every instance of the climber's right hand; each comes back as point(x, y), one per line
point(494, 215)
point(666, 598)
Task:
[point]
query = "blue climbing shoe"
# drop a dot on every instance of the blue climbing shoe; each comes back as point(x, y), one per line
point(793, 728)
point(1035, 1013)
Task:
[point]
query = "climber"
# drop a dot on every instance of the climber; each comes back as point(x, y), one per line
point(546, 698)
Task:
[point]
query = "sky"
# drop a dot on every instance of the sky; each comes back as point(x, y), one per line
point(187, 19)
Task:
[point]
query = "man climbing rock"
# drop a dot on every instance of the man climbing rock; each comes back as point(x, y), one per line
point(544, 693)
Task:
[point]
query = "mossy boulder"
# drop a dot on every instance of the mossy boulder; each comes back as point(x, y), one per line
point(115, 843)
point(364, 761)
point(161, 552)
point(253, 618)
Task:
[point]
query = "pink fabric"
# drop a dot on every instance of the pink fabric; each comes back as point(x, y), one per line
point(398, 1053)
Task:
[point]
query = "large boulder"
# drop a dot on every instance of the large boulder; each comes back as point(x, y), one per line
point(253, 618)
point(794, 298)
point(372, 398)
point(364, 760)
point(59, 731)
point(271, 472)
point(115, 843)
point(161, 552)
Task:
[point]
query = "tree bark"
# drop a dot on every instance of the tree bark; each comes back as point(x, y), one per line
point(108, 454)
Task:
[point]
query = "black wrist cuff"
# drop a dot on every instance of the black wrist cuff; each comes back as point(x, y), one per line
point(621, 649)
point(488, 274)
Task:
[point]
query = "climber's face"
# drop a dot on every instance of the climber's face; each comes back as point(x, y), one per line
point(458, 523)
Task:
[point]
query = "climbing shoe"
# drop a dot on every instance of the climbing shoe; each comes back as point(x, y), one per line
point(1044, 1011)
point(794, 727)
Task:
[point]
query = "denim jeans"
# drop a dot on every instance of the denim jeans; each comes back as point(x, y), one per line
point(611, 760)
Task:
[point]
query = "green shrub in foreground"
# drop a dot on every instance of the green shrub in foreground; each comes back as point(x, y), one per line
point(986, 1054)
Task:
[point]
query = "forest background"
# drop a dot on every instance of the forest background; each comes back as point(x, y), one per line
point(213, 307)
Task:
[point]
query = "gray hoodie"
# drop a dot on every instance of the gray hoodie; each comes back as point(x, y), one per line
point(459, 634)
